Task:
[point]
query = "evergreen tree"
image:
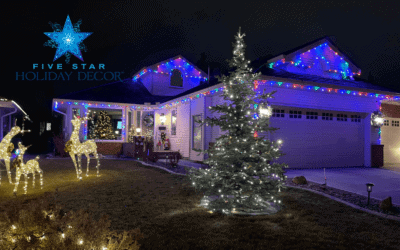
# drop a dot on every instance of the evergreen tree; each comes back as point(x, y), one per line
point(103, 128)
point(241, 174)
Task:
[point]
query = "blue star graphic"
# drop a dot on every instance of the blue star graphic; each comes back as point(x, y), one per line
point(68, 40)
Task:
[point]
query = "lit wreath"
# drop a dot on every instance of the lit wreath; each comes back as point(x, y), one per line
point(148, 120)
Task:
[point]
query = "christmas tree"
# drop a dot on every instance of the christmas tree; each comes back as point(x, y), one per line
point(103, 128)
point(241, 177)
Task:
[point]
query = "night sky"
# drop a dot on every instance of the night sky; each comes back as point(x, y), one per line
point(128, 36)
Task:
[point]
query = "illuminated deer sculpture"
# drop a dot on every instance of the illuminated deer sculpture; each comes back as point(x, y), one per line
point(6, 147)
point(30, 167)
point(75, 148)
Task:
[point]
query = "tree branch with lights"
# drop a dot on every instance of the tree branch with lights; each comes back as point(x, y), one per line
point(241, 174)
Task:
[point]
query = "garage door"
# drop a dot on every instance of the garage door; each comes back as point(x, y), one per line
point(313, 140)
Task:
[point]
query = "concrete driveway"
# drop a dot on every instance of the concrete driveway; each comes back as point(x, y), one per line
point(387, 182)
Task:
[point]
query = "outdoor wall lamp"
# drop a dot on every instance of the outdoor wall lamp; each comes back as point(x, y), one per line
point(369, 189)
point(163, 118)
point(266, 111)
point(377, 119)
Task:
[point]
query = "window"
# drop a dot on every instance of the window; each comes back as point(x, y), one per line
point(176, 78)
point(294, 114)
point(278, 113)
point(327, 116)
point(312, 115)
point(105, 124)
point(342, 118)
point(76, 112)
point(138, 113)
point(386, 123)
point(196, 137)
point(355, 118)
point(173, 122)
point(395, 123)
point(129, 120)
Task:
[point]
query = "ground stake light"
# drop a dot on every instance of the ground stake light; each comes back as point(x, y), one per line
point(369, 189)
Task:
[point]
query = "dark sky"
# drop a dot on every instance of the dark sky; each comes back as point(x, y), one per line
point(128, 35)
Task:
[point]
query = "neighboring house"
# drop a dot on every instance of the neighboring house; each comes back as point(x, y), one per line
point(322, 111)
point(8, 112)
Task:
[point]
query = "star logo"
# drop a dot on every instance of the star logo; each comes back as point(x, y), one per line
point(68, 40)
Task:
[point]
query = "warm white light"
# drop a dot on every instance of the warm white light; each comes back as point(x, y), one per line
point(279, 141)
point(63, 235)
point(80, 242)
point(75, 148)
point(266, 111)
point(138, 130)
point(117, 132)
point(163, 118)
point(378, 120)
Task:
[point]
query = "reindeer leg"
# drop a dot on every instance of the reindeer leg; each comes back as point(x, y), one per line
point(41, 178)
point(98, 162)
point(74, 161)
point(26, 183)
point(88, 160)
point(33, 178)
point(17, 177)
point(7, 162)
point(80, 166)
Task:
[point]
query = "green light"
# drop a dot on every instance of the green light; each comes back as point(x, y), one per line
point(271, 65)
point(348, 92)
point(280, 83)
point(316, 88)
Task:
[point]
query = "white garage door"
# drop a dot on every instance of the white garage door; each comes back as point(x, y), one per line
point(318, 143)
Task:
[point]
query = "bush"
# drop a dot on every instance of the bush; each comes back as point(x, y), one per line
point(43, 224)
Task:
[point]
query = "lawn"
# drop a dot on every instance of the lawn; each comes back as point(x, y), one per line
point(165, 209)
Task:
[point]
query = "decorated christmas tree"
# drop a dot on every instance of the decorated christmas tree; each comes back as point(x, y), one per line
point(241, 177)
point(103, 128)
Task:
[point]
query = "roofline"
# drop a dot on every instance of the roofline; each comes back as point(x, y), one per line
point(172, 58)
point(292, 51)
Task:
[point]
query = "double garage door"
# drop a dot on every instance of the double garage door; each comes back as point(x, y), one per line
point(318, 141)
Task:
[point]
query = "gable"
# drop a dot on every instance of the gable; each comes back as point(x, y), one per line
point(166, 67)
point(320, 58)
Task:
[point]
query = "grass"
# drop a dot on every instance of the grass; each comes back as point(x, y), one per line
point(165, 209)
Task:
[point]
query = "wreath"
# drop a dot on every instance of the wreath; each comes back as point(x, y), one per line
point(148, 121)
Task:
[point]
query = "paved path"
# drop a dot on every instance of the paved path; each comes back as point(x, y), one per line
point(387, 182)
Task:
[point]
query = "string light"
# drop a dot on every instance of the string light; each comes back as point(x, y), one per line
point(75, 148)
point(30, 167)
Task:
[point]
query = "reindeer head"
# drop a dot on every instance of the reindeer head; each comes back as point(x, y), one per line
point(76, 122)
point(22, 149)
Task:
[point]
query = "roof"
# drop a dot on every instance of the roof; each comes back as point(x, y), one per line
point(317, 41)
point(205, 85)
point(266, 71)
point(125, 91)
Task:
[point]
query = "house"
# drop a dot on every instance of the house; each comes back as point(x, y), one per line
point(9, 110)
point(323, 111)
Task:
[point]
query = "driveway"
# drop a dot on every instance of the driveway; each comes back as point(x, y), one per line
point(387, 182)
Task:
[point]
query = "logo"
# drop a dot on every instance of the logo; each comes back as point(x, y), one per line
point(68, 40)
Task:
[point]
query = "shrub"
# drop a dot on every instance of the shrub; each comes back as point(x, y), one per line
point(43, 224)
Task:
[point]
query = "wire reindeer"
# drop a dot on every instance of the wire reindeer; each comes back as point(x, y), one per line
point(30, 167)
point(6, 147)
point(75, 148)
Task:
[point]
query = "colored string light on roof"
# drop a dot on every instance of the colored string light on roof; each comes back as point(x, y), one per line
point(320, 54)
point(169, 66)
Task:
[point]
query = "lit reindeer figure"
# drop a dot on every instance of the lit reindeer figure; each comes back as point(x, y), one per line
point(30, 167)
point(6, 148)
point(75, 148)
